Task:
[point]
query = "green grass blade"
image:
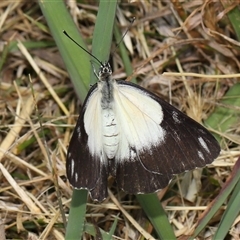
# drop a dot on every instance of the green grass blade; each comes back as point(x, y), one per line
point(76, 61)
point(102, 36)
point(91, 230)
point(234, 17)
point(219, 200)
point(233, 207)
point(103, 32)
point(222, 119)
point(225, 116)
point(4, 56)
point(112, 230)
point(77, 213)
point(31, 45)
point(156, 214)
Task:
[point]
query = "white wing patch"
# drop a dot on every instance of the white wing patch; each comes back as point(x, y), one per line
point(200, 154)
point(176, 117)
point(203, 144)
point(93, 122)
point(139, 118)
point(76, 177)
point(132, 121)
point(79, 132)
point(72, 165)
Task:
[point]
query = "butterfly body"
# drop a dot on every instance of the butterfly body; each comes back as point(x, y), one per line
point(128, 132)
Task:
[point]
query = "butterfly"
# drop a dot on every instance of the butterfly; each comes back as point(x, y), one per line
point(128, 132)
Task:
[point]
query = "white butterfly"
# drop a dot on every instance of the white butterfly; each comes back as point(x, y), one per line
point(128, 132)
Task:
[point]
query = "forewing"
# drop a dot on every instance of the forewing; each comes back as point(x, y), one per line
point(184, 144)
point(85, 170)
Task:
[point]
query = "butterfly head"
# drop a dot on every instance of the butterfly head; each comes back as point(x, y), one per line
point(105, 71)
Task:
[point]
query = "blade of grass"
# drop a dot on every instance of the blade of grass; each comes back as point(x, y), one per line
point(223, 118)
point(76, 61)
point(219, 200)
point(156, 214)
point(103, 31)
point(91, 229)
point(77, 213)
point(38, 24)
point(113, 228)
point(233, 207)
point(234, 16)
point(4, 56)
point(30, 45)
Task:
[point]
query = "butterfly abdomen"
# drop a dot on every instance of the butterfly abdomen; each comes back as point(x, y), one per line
point(110, 133)
point(110, 128)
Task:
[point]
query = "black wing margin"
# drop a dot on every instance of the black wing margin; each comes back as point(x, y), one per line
point(85, 171)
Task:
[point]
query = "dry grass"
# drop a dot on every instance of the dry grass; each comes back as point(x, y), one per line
point(34, 107)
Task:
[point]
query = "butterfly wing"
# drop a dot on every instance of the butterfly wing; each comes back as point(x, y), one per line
point(156, 141)
point(84, 170)
point(149, 161)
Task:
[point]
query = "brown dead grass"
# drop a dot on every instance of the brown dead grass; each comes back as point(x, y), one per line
point(202, 38)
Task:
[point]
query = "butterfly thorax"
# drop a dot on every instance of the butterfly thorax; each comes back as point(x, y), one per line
point(107, 93)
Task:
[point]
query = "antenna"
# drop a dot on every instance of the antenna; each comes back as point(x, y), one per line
point(131, 23)
point(81, 47)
